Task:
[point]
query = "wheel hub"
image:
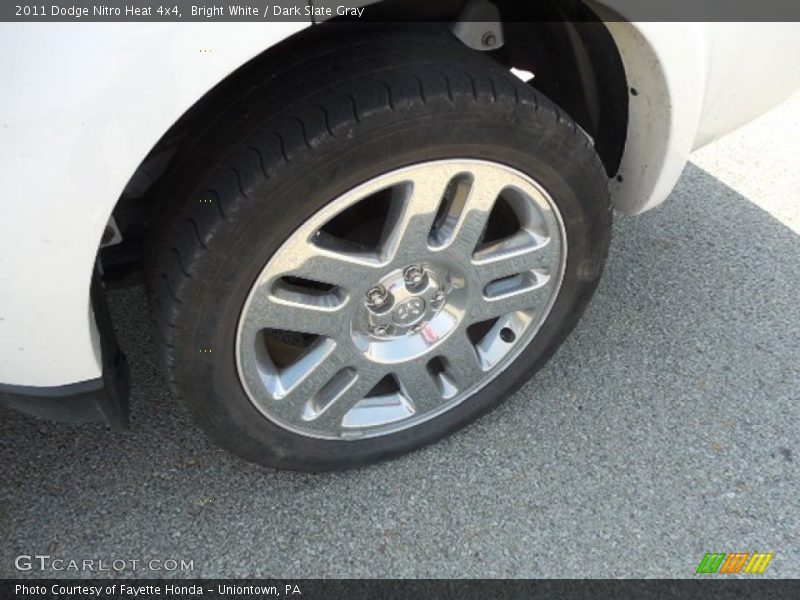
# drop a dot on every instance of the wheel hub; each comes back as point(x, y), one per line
point(404, 302)
point(408, 312)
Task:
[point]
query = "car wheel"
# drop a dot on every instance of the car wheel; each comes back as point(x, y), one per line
point(370, 250)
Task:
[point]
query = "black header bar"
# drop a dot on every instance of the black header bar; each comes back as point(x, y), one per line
point(392, 10)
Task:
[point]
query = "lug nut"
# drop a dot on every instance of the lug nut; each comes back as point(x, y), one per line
point(377, 297)
point(438, 298)
point(414, 277)
point(489, 39)
point(382, 330)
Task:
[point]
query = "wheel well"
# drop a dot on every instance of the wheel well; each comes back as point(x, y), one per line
point(570, 51)
point(577, 65)
point(572, 56)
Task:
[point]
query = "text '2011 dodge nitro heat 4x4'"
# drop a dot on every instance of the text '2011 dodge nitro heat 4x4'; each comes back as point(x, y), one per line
point(356, 238)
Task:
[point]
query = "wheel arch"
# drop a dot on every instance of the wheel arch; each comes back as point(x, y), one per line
point(576, 64)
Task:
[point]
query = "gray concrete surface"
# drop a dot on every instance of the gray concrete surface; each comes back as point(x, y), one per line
point(666, 427)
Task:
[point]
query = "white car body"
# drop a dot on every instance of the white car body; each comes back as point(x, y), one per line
point(83, 103)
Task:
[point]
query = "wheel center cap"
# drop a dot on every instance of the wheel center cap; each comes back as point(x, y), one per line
point(402, 303)
point(409, 311)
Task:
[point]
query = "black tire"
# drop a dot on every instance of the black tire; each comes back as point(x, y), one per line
point(364, 106)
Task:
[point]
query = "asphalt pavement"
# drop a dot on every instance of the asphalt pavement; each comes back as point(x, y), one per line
point(664, 428)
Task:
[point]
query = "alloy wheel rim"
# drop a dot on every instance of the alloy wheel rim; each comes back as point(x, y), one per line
point(354, 333)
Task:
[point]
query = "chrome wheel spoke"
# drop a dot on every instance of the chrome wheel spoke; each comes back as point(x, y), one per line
point(419, 385)
point(300, 315)
point(297, 389)
point(344, 269)
point(530, 291)
point(473, 219)
point(344, 399)
point(523, 252)
point(410, 223)
point(462, 360)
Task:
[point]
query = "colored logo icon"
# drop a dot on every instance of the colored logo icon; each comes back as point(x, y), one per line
point(734, 562)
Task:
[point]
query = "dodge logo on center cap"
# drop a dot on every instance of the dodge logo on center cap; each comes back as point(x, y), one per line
point(408, 311)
